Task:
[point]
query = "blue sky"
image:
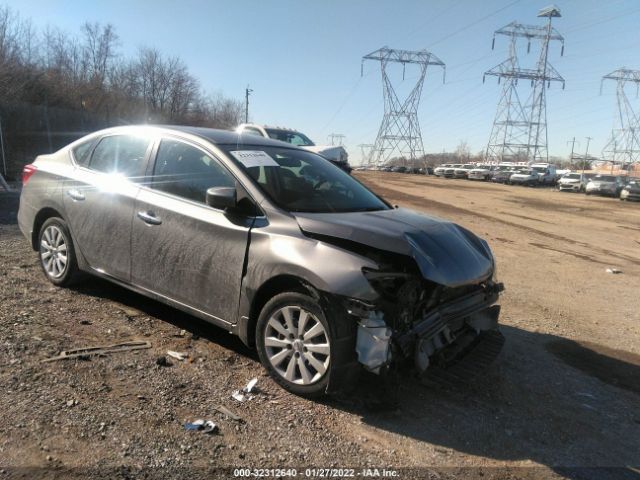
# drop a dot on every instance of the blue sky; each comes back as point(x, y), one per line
point(302, 58)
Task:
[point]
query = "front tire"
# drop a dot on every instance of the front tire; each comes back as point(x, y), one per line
point(56, 253)
point(294, 343)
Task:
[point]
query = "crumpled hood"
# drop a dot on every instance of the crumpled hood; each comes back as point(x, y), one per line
point(446, 253)
point(331, 152)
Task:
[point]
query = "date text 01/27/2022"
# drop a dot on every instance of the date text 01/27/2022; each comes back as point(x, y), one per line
point(316, 472)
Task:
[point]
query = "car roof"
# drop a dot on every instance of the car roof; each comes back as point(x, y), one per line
point(224, 137)
point(213, 135)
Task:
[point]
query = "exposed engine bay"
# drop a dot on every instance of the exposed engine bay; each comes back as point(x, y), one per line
point(419, 321)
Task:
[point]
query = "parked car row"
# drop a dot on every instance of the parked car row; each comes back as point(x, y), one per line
point(530, 175)
point(623, 187)
point(401, 169)
point(545, 174)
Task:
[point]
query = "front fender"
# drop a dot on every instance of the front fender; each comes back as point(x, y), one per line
point(326, 267)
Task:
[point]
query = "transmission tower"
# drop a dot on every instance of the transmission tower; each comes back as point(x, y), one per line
point(333, 137)
point(399, 132)
point(624, 145)
point(520, 129)
point(365, 149)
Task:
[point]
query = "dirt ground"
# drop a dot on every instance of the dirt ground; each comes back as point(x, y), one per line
point(561, 401)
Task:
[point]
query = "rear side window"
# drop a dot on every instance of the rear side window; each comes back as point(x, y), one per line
point(122, 154)
point(81, 152)
point(188, 172)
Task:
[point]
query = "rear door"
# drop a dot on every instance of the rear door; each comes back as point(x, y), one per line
point(99, 201)
point(182, 248)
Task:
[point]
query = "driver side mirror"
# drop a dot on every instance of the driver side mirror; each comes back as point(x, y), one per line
point(222, 197)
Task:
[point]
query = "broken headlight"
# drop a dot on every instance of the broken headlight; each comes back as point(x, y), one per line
point(385, 283)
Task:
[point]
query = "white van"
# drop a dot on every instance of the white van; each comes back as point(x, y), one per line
point(547, 174)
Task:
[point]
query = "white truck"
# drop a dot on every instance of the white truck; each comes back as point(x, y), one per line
point(336, 154)
point(547, 174)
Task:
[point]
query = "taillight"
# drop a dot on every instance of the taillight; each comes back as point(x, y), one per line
point(27, 171)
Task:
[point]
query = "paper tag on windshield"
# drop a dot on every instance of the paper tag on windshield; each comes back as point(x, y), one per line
point(254, 158)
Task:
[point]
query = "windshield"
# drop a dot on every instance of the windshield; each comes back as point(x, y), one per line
point(300, 181)
point(289, 136)
point(525, 172)
point(572, 175)
point(540, 169)
point(604, 178)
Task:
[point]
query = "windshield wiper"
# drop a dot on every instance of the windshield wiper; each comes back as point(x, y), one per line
point(366, 209)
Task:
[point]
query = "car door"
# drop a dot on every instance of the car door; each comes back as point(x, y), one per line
point(99, 199)
point(183, 249)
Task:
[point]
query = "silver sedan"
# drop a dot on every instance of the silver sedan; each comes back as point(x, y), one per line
point(268, 241)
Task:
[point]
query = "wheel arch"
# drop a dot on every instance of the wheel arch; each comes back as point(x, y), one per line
point(269, 289)
point(42, 216)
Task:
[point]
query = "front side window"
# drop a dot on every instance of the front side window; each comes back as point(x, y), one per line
point(300, 181)
point(188, 172)
point(122, 154)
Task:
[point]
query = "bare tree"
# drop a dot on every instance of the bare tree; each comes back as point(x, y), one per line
point(99, 50)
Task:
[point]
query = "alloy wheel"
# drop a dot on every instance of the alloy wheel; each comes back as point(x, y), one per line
point(297, 345)
point(53, 251)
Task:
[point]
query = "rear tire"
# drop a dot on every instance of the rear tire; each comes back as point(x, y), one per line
point(295, 343)
point(56, 253)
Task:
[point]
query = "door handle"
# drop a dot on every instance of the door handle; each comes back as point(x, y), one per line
point(149, 218)
point(75, 194)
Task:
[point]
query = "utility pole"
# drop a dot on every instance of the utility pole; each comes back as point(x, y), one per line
point(586, 153)
point(399, 131)
point(247, 92)
point(3, 182)
point(573, 144)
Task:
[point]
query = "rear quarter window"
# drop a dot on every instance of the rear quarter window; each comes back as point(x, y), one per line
point(123, 154)
point(81, 152)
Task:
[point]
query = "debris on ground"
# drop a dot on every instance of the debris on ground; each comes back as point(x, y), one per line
point(250, 386)
point(181, 333)
point(99, 350)
point(228, 413)
point(201, 425)
point(243, 395)
point(163, 362)
point(237, 395)
point(614, 270)
point(178, 355)
point(131, 312)
point(196, 425)
point(210, 427)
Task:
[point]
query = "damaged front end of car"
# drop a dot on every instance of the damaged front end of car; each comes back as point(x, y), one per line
point(424, 323)
point(435, 289)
